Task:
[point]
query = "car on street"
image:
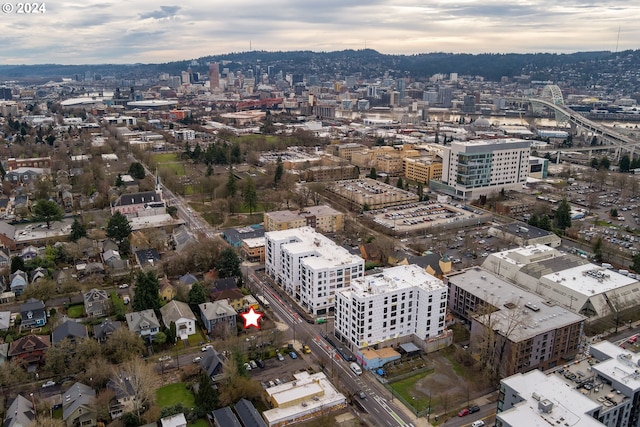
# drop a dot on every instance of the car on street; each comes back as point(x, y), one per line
point(473, 409)
point(361, 394)
point(632, 339)
point(48, 384)
point(464, 412)
point(197, 359)
point(206, 347)
point(306, 349)
point(164, 358)
point(478, 423)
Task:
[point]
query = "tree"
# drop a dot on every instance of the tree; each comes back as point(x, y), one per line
point(47, 211)
point(231, 186)
point(207, 397)
point(123, 345)
point(78, 230)
point(146, 295)
point(373, 174)
point(197, 295)
point(597, 249)
point(625, 163)
point(563, 215)
point(119, 181)
point(594, 163)
point(279, 172)
point(399, 183)
point(605, 163)
point(636, 263)
point(250, 195)
point(228, 264)
point(136, 170)
point(17, 263)
point(119, 229)
point(138, 379)
point(545, 223)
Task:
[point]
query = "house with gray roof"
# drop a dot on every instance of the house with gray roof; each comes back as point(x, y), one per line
point(224, 417)
point(5, 257)
point(33, 314)
point(211, 363)
point(7, 235)
point(79, 406)
point(144, 323)
point(21, 413)
point(97, 303)
point(104, 330)
point(248, 414)
point(179, 313)
point(71, 330)
point(181, 238)
point(18, 281)
point(5, 320)
point(218, 314)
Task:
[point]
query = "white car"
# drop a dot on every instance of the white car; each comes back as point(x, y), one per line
point(164, 358)
point(478, 423)
point(206, 347)
point(247, 366)
point(48, 384)
point(124, 286)
point(197, 359)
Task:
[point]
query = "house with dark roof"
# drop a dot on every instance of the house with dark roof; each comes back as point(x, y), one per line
point(33, 314)
point(248, 414)
point(181, 238)
point(187, 279)
point(30, 350)
point(7, 235)
point(5, 257)
point(79, 406)
point(71, 330)
point(235, 236)
point(224, 284)
point(124, 399)
point(234, 297)
point(29, 253)
point(104, 330)
point(21, 413)
point(18, 281)
point(211, 363)
point(147, 257)
point(97, 303)
point(37, 274)
point(131, 204)
point(144, 323)
point(181, 315)
point(224, 417)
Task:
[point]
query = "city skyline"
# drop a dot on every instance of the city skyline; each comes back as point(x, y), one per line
point(98, 31)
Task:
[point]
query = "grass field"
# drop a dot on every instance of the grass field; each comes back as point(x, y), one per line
point(75, 311)
point(165, 157)
point(406, 389)
point(199, 423)
point(174, 393)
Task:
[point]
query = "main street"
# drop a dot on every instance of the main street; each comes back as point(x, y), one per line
point(376, 403)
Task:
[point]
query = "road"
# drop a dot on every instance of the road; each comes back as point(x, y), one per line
point(385, 412)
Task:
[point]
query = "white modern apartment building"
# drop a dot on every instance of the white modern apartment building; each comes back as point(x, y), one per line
point(401, 301)
point(310, 267)
point(601, 390)
point(475, 168)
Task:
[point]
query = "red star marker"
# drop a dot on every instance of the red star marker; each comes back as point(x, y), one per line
point(251, 318)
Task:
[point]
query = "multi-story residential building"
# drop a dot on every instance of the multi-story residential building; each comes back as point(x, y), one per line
point(401, 301)
point(322, 218)
point(475, 168)
point(310, 267)
point(517, 330)
point(346, 150)
point(421, 169)
point(600, 390)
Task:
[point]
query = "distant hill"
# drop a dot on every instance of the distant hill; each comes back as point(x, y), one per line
point(364, 63)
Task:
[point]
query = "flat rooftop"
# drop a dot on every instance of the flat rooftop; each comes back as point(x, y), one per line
point(394, 279)
point(589, 279)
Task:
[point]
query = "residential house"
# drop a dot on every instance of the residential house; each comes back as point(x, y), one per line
point(144, 323)
point(181, 238)
point(133, 204)
point(104, 330)
point(167, 291)
point(234, 297)
point(32, 314)
point(147, 257)
point(187, 280)
point(4, 352)
point(211, 363)
point(29, 253)
point(62, 276)
point(224, 284)
point(30, 350)
point(109, 245)
point(4, 205)
point(5, 320)
point(38, 273)
point(97, 303)
point(90, 269)
point(371, 252)
point(79, 406)
point(124, 396)
point(7, 235)
point(179, 313)
point(21, 413)
point(218, 316)
point(5, 257)
point(224, 417)
point(18, 281)
point(67, 200)
point(114, 261)
point(25, 175)
point(177, 420)
point(88, 247)
point(71, 330)
point(248, 414)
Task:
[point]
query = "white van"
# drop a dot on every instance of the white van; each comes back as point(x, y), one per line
point(355, 368)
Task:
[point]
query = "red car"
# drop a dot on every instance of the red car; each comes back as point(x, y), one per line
point(633, 339)
point(464, 412)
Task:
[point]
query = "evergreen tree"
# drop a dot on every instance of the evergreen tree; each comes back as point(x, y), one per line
point(146, 295)
point(605, 163)
point(207, 396)
point(534, 221)
point(636, 263)
point(625, 163)
point(373, 174)
point(563, 215)
point(17, 263)
point(597, 248)
point(136, 170)
point(78, 230)
point(400, 184)
point(119, 229)
point(232, 186)
point(386, 180)
point(228, 264)
point(545, 223)
point(250, 195)
point(47, 211)
point(197, 295)
point(279, 172)
point(119, 181)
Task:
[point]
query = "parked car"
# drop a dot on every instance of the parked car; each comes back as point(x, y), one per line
point(464, 412)
point(164, 358)
point(247, 366)
point(48, 384)
point(253, 364)
point(293, 355)
point(206, 347)
point(124, 286)
point(473, 409)
point(197, 359)
point(478, 423)
point(260, 363)
point(280, 356)
point(277, 381)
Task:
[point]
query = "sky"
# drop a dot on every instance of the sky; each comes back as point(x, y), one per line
point(146, 31)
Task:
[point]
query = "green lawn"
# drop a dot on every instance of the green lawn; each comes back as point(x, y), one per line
point(75, 311)
point(407, 389)
point(200, 423)
point(196, 338)
point(165, 157)
point(174, 393)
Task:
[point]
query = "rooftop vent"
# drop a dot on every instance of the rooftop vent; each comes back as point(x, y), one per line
point(545, 406)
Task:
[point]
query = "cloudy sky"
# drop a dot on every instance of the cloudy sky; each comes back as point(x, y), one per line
point(118, 31)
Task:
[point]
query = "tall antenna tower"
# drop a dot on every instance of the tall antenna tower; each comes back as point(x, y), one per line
point(618, 39)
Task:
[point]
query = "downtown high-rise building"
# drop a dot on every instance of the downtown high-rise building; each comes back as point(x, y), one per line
point(214, 76)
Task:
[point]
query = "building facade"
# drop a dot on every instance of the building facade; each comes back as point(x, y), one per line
point(322, 218)
point(401, 301)
point(310, 267)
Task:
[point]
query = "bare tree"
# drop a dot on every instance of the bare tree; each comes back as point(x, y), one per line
point(138, 379)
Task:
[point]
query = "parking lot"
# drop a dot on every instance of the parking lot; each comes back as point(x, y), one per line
point(281, 370)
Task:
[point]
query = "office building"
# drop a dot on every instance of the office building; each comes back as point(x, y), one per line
point(475, 168)
point(600, 390)
point(421, 170)
point(323, 218)
point(214, 77)
point(516, 330)
point(401, 301)
point(310, 267)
